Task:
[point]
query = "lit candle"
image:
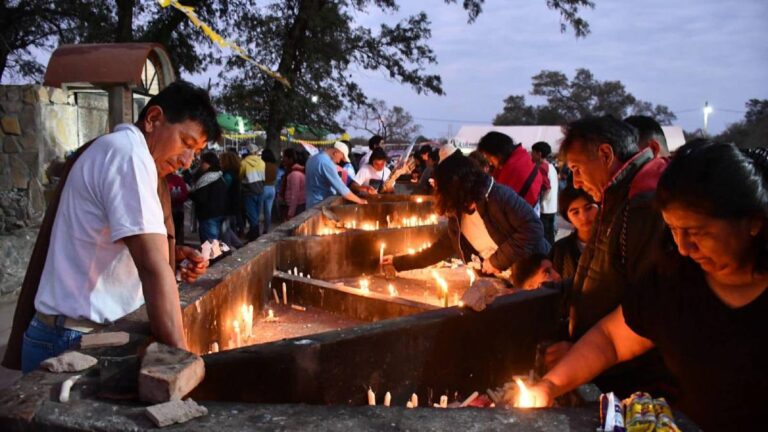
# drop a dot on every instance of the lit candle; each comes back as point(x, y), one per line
point(215, 347)
point(471, 274)
point(388, 221)
point(301, 274)
point(411, 251)
point(409, 404)
point(270, 315)
point(524, 397)
point(285, 294)
point(295, 271)
point(364, 285)
point(381, 253)
point(236, 325)
point(387, 399)
point(377, 225)
point(392, 290)
point(413, 221)
point(415, 400)
point(419, 200)
point(371, 397)
point(443, 401)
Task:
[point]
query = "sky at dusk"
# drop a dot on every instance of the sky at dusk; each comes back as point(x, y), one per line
point(679, 53)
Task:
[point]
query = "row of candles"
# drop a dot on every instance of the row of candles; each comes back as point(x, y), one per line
point(404, 222)
point(523, 399)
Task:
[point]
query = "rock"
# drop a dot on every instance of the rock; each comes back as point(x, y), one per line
point(168, 413)
point(11, 125)
point(58, 96)
point(28, 118)
point(35, 94)
point(13, 93)
point(36, 201)
point(11, 145)
point(28, 140)
point(71, 361)
point(20, 173)
point(168, 373)
point(98, 340)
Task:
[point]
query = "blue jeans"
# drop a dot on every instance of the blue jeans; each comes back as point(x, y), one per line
point(210, 229)
point(42, 342)
point(252, 205)
point(266, 202)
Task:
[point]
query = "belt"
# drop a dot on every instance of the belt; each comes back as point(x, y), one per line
point(81, 325)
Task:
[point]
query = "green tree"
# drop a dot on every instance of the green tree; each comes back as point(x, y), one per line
point(568, 100)
point(375, 117)
point(753, 130)
point(313, 43)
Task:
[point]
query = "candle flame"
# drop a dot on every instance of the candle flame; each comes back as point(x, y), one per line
point(392, 290)
point(525, 398)
point(270, 314)
point(411, 251)
point(471, 274)
point(364, 285)
point(419, 200)
point(236, 325)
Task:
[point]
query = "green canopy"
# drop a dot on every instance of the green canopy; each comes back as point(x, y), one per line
point(233, 123)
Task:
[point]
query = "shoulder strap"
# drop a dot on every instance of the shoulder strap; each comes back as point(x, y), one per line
point(528, 182)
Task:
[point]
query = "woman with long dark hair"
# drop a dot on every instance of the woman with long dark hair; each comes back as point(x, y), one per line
point(210, 197)
point(706, 305)
point(485, 219)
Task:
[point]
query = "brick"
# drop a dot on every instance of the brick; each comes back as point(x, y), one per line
point(71, 361)
point(168, 373)
point(168, 413)
point(98, 340)
point(11, 125)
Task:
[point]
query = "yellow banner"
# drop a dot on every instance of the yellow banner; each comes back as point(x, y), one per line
point(282, 138)
point(189, 11)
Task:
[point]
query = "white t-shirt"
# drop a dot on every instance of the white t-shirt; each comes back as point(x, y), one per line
point(549, 198)
point(474, 230)
point(111, 193)
point(368, 173)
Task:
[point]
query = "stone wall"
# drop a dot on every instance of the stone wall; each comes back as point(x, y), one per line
point(38, 125)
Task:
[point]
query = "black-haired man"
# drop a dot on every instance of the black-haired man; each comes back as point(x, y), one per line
point(107, 243)
point(650, 134)
point(376, 141)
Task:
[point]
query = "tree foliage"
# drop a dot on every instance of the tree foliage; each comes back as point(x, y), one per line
point(394, 124)
point(753, 130)
point(582, 96)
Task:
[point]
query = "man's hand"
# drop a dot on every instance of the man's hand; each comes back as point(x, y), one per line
point(194, 266)
point(488, 268)
point(370, 190)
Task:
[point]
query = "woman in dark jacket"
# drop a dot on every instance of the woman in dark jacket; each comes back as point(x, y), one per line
point(485, 219)
point(210, 197)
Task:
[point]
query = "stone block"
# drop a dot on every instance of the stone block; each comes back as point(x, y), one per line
point(11, 125)
point(13, 93)
point(98, 340)
point(20, 173)
point(11, 107)
point(28, 140)
point(11, 145)
point(71, 361)
point(168, 373)
point(36, 201)
point(58, 96)
point(6, 182)
point(35, 94)
point(168, 413)
point(28, 118)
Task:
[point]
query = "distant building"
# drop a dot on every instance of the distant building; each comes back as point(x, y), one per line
point(468, 136)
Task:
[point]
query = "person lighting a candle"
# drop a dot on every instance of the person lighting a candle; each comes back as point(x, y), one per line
point(704, 304)
point(485, 218)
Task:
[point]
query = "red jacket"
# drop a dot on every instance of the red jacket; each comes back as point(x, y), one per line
point(515, 171)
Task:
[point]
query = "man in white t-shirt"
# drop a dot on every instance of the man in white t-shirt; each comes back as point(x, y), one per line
point(374, 173)
point(540, 151)
point(108, 251)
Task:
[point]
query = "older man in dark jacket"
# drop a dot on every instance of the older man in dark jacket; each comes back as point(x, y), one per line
point(603, 155)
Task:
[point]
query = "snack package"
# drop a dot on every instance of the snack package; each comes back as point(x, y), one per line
point(640, 414)
point(665, 421)
point(611, 413)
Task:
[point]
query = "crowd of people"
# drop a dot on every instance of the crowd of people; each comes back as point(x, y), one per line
point(662, 281)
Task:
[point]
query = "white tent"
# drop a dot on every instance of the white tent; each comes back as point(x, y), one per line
point(469, 136)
